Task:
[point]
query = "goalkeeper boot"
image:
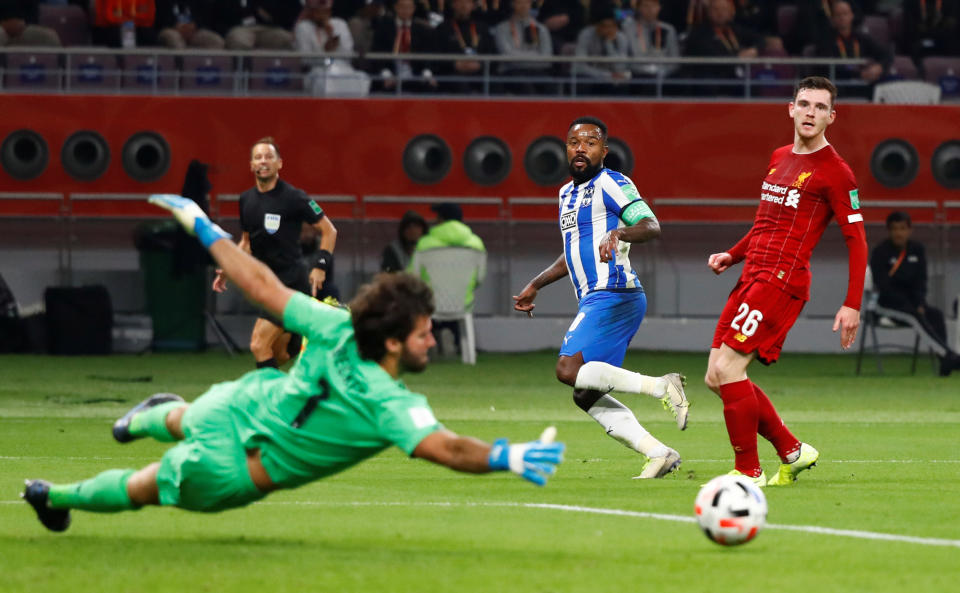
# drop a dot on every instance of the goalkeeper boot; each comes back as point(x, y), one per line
point(787, 474)
point(675, 401)
point(37, 494)
point(121, 428)
point(657, 467)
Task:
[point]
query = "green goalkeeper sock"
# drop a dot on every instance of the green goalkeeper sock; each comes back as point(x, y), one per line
point(105, 493)
point(152, 422)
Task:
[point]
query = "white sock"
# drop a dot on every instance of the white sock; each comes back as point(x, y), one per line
point(622, 425)
point(604, 377)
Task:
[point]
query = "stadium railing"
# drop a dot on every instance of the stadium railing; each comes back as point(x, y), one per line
point(74, 230)
point(97, 70)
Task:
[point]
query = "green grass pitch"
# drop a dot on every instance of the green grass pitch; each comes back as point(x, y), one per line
point(880, 512)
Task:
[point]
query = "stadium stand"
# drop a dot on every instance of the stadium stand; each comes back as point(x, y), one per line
point(68, 20)
point(28, 72)
point(94, 72)
point(274, 74)
point(149, 73)
point(944, 71)
point(208, 74)
point(906, 92)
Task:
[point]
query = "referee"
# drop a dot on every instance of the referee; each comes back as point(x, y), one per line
point(272, 214)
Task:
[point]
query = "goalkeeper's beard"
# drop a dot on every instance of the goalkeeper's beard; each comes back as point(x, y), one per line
point(588, 173)
point(411, 364)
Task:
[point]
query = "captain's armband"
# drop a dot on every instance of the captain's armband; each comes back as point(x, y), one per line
point(636, 212)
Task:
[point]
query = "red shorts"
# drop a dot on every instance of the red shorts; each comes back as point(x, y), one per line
point(757, 318)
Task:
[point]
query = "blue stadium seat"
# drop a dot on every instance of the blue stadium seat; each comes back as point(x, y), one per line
point(903, 68)
point(146, 73)
point(208, 73)
point(276, 75)
point(32, 72)
point(94, 72)
point(945, 72)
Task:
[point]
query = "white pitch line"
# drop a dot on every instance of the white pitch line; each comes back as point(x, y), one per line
point(854, 533)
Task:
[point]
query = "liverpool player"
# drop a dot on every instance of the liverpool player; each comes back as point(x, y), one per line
point(807, 184)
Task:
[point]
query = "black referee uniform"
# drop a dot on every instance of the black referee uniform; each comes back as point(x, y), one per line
point(273, 220)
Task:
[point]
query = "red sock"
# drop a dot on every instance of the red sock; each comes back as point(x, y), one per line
point(772, 428)
point(741, 413)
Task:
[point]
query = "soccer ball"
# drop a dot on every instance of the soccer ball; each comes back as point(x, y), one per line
point(731, 510)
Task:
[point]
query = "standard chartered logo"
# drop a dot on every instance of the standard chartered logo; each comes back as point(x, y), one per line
point(779, 194)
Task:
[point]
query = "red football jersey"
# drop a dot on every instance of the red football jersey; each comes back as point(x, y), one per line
point(798, 197)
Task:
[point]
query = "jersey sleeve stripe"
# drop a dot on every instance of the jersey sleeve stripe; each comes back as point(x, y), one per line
point(854, 218)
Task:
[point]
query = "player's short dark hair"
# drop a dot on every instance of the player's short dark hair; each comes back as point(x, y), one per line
point(817, 83)
point(266, 140)
point(388, 307)
point(591, 121)
point(898, 216)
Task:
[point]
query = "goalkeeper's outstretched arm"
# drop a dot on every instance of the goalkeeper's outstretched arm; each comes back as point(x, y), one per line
point(464, 454)
point(253, 277)
point(534, 461)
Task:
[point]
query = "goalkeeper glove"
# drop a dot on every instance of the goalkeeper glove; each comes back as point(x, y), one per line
point(534, 461)
point(191, 217)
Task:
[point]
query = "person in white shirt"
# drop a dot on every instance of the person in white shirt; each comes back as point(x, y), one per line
point(522, 36)
point(320, 32)
point(652, 37)
point(603, 39)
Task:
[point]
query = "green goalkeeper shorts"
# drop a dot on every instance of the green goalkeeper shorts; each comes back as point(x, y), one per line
point(207, 471)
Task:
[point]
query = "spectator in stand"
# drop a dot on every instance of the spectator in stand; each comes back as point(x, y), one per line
point(318, 31)
point(259, 24)
point(18, 25)
point(720, 37)
point(842, 41)
point(565, 19)
point(522, 36)
point(401, 34)
point(431, 11)
point(757, 15)
point(604, 39)
point(684, 15)
point(347, 9)
point(187, 23)
point(651, 37)
point(813, 22)
point(930, 28)
point(396, 255)
point(492, 12)
point(463, 33)
point(898, 266)
point(361, 29)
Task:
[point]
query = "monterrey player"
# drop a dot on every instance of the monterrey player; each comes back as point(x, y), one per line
point(601, 214)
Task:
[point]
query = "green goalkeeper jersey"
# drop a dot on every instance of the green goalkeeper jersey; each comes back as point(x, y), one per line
point(333, 409)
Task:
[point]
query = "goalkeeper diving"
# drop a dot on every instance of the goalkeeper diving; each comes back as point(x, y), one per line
point(339, 404)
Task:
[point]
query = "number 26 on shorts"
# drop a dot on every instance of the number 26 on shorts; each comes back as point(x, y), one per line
point(750, 320)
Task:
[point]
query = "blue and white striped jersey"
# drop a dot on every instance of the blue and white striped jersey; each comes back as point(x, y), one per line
point(587, 212)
